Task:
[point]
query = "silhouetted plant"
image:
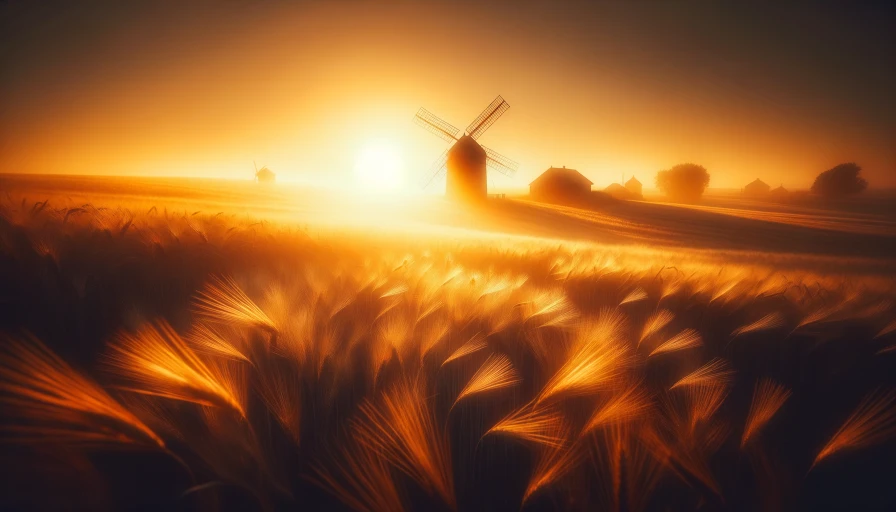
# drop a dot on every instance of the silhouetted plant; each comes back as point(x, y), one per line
point(840, 181)
point(684, 182)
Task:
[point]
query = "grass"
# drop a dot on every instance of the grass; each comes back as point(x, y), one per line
point(289, 368)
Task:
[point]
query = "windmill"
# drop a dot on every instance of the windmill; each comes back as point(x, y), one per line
point(465, 161)
point(264, 175)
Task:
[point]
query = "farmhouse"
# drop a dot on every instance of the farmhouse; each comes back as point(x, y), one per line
point(757, 188)
point(559, 184)
point(617, 191)
point(634, 186)
point(778, 194)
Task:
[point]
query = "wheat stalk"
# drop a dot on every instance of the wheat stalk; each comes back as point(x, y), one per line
point(474, 344)
point(688, 338)
point(210, 342)
point(362, 480)
point(222, 300)
point(552, 463)
point(632, 403)
point(768, 397)
point(57, 404)
point(497, 372)
point(164, 365)
point(598, 362)
point(401, 429)
point(638, 294)
point(872, 422)
point(769, 321)
point(533, 423)
point(655, 323)
point(712, 373)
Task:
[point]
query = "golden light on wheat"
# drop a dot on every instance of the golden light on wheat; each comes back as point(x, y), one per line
point(715, 372)
point(769, 321)
point(497, 372)
point(474, 344)
point(538, 424)
point(162, 364)
point(704, 399)
point(204, 339)
point(631, 403)
point(635, 295)
point(401, 429)
point(361, 479)
point(655, 323)
point(768, 397)
point(687, 338)
point(429, 373)
point(597, 361)
point(873, 421)
point(223, 300)
point(553, 463)
point(55, 404)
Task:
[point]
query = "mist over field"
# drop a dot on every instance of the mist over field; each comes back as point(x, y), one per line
point(459, 256)
point(199, 343)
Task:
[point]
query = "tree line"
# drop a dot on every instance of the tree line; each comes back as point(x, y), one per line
point(687, 182)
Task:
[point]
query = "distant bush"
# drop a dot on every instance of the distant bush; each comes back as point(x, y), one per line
point(684, 182)
point(841, 181)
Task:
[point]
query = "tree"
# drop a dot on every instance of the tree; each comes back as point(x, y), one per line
point(684, 182)
point(841, 181)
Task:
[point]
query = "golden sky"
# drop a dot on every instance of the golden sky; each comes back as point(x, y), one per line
point(155, 88)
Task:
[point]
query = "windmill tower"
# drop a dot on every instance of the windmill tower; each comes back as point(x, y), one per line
point(466, 161)
point(264, 175)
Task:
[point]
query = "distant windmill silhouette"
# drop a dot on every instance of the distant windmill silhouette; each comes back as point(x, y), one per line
point(466, 160)
point(263, 175)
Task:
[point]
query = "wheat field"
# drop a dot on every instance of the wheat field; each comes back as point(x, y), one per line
point(161, 358)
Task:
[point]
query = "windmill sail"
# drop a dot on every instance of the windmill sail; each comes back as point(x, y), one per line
point(435, 125)
point(438, 167)
point(470, 168)
point(500, 162)
point(487, 117)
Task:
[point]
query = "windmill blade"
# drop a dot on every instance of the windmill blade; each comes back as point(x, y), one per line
point(437, 168)
point(487, 117)
point(434, 124)
point(500, 163)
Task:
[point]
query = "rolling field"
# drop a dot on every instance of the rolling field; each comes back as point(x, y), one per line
point(192, 345)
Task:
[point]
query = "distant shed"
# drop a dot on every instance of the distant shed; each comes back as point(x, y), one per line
point(634, 186)
point(559, 184)
point(779, 194)
point(757, 188)
point(617, 191)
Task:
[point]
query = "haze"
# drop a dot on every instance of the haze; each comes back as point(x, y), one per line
point(149, 88)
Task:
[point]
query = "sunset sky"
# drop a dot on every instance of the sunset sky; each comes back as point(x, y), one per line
point(778, 92)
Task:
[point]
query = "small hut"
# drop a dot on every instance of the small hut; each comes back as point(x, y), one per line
point(634, 186)
point(778, 194)
point(617, 191)
point(757, 188)
point(265, 175)
point(560, 184)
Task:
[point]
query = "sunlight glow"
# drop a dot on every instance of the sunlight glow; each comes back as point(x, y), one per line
point(379, 168)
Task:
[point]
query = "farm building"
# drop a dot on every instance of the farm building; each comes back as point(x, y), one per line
point(265, 175)
point(617, 191)
point(560, 184)
point(634, 186)
point(778, 194)
point(757, 188)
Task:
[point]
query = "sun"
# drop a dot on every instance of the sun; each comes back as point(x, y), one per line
point(379, 167)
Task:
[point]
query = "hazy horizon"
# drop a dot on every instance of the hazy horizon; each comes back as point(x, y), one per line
point(779, 93)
